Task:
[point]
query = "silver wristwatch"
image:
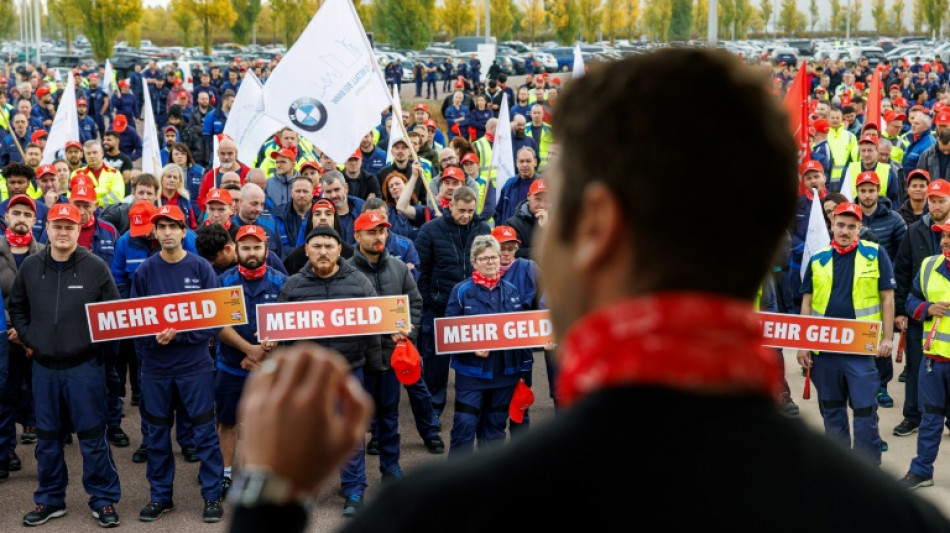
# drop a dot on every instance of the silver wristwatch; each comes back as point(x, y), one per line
point(259, 487)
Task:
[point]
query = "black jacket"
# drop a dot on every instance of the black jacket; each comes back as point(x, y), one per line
point(918, 244)
point(734, 480)
point(907, 213)
point(930, 161)
point(117, 214)
point(48, 307)
point(345, 284)
point(523, 222)
point(297, 258)
point(390, 277)
point(364, 184)
point(444, 249)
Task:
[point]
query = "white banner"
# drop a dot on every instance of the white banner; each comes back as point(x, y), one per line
point(578, 61)
point(502, 158)
point(247, 124)
point(816, 237)
point(108, 81)
point(328, 87)
point(395, 128)
point(151, 149)
point(65, 124)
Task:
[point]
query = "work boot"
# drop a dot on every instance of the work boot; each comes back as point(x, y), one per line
point(107, 516)
point(213, 511)
point(140, 455)
point(903, 377)
point(905, 428)
point(373, 447)
point(154, 510)
point(912, 481)
point(353, 505)
point(884, 399)
point(29, 437)
point(117, 437)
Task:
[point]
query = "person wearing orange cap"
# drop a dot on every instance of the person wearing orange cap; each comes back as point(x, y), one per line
point(820, 149)
point(240, 351)
point(842, 143)
point(390, 277)
point(360, 182)
point(915, 206)
point(66, 368)
point(936, 159)
point(529, 214)
point(44, 110)
point(278, 187)
point(869, 162)
point(893, 129)
point(828, 289)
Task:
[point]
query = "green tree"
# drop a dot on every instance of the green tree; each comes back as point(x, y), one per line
point(879, 14)
point(681, 19)
point(838, 19)
point(102, 22)
point(590, 16)
point(700, 16)
point(766, 8)
point(897, 17)
point(745, 14)
point(656, 19)
point(8, 18)
point(183, 17)
point(790, 19)
point(813, 14)
point(855, 15)
point(631, 10)
point(65, 14)
point(212, 14)
point(502, 18)
point(133, 34)
point(535, 18)
point(613, 19)
point(403, 23)
point(564, 18)
point(247, 13)
point(918, 15)
point(726, 15)
point(457, 17)
point(288, 19)
point(934, 12)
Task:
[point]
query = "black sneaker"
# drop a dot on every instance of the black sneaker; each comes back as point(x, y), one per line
point(117, 437)
point(435, 445)
point(903, 377)
point(213, 511)
point(15, 463)
point(190, 453)
point(41, 515)
point(107, 516)
point(140, 455)
point(373, 447)
point(135, 400)
point(352, 505)
point(68, 439)
point(392, 476)
point(4, 475)
point(912, 481)
point(906, 428)
point(225, 487)
point(154, 510)
point(29, 435)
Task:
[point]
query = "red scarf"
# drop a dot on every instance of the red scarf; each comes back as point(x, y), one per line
point(844, 249)
point(490, 137)
point(811, 197)
point(694, 342)
point(482, 281)
point(503, 269)
point(87, 233)
point(16, 240)
point(253, 274)
point(227, 223)
point(444, 202)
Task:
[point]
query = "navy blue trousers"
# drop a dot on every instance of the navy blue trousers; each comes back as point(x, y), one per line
point(841, 379)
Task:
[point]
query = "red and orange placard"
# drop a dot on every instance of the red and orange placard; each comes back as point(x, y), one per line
point(500, 331)
point(820, 334)
point(150, 315)
point(333, 318)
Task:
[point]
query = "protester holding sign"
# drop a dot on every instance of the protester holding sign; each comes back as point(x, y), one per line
point(176, 365)
point(850, 279)
point(240, 351)
point(484, 380)
point(67, 370)
point(329, 277)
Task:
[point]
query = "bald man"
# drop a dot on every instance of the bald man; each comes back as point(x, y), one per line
point(228, 162)
point(251, 211)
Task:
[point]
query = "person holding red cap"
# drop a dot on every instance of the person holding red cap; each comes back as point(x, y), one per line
point(240, 351)
point(936, 159)
point(869, 162)
point(829, 288)
point(390, 277)
point(66, 368)
point(175, 364)
point(842, 143)
point(456, 113)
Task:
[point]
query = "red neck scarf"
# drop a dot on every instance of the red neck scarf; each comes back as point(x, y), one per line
point(482, 281)
point(844, 249)
point(490, 137)
point(253, 274)
point(16, 240)
point(89, 223)
point(226, 225)
point(444, 202)
point(688, 341)
point(811, 197)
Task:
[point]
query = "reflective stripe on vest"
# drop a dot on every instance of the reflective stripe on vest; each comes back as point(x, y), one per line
point(936, 288)
point(840, 145)
point(865, 294)
point(758, 299)
point(483, 150)
point(883, 171)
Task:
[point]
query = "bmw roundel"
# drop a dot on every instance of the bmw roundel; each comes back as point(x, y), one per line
point(308, 114)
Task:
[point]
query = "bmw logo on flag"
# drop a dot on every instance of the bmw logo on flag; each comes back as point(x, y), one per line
point(308, 114)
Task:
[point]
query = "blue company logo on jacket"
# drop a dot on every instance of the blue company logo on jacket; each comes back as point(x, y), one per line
point(262, 291)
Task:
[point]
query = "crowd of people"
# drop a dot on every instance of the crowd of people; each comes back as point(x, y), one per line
point(286, 223)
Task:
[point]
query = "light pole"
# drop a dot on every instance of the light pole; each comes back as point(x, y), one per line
point(487, 21)
point(712, 23)
point(847, 31)
point(36, 26)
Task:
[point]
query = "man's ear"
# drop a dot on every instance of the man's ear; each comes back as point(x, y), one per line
point(599, 228)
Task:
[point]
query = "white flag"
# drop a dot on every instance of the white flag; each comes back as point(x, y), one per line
point(502, 157)
point(328, 87)
point(215, 141)
point(65, 124)
point(578, 61)
point(817, 236)
point(846, 189)
point(247, 124)
point(108, 83)
point(395, 130)
point(151, 150)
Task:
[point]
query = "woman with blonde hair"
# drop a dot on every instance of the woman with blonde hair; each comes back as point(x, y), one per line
point(172, 191)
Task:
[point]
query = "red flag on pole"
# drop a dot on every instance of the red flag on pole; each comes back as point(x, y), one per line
point(874, 101)
point(796, 105)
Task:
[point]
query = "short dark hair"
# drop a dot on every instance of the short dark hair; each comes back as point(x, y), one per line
point(593, 119)
point(211, 240)
point(145, 179)
point(502, 77)
point(373, 204)
point(111, 133)
point(19, 169)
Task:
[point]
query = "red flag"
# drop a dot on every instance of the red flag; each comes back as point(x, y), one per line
point(874, 101)
point(796, 105)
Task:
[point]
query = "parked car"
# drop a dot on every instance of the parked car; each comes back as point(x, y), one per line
point(546, 62)
point(785, 55)
point(564, 56)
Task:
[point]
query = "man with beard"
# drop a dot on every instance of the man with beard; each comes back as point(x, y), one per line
point(520, 139)
point(515, 190)
point(74, 155)
point(293, 214)
point(228, 162)
point(10, 151)
point(115, 158)
point(175, 365)
point(20, 179)
point(240, 351)
point(335, 189)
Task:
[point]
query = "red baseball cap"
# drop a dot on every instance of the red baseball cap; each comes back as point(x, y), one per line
point(537, 186)
point(859, 85)
point(810, 165)
point(505, 234)
point(311, 164)
point(822, 126)
point(121, 122)
point(140, 218)
point(171, 212)
point(868, 139)
point(74, 144)
point(848, 208)
point(123, 83)
point(421, 107)
point(182, 94)
point(942, 119)
point(890, 115)
point(521, 400)
point(470, 158)
point(323, 203)
point(251, 230)
point(894, 86)
point(453, 173)
point(867, 177)
point(918, 173)
point(429, 123)
point(845, 101)
point(358, 154)
point(81, 101)
point(555, 79)
point(290, 152)
point(43, 170)
point(939, 106)
point(222, 196)
point(900, 102)
point(370, 221)
point(38, 134)
point(406, 363)
point(64, 212)
point(870, 125)
point(82, 191)
point(22, 199)
point(42, 91)
point(939, 187)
